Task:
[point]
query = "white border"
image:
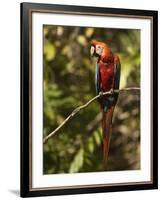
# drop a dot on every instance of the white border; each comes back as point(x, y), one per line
point(38, 179)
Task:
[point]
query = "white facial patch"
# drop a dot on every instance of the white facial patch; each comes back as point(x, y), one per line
point(98, 50)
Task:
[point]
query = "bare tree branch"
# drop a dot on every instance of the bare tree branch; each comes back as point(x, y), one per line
point(75, 111)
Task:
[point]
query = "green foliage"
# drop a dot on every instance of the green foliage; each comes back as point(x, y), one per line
point(77, 163)
point(69, 82)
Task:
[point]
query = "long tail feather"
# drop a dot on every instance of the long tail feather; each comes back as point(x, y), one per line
point(107, 130)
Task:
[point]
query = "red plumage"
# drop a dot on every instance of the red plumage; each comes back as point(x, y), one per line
point(106, 76)
point(107, 130)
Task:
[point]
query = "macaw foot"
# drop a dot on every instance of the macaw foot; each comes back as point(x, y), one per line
point(101, 93)
point(111, 91)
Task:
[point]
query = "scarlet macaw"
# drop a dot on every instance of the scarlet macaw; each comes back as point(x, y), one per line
point(107, 79)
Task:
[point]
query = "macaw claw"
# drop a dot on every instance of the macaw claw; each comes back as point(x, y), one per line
point(101, 93)
point(111, 91)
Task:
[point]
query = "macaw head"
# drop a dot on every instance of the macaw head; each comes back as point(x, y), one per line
point(100, 50)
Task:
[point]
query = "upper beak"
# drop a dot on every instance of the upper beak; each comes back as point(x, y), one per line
point(92, 50)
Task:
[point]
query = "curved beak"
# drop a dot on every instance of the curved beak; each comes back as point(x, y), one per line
point(92, 51)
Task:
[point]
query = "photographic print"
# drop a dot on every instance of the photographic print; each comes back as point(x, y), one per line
point(69, 81)
point(88, 99)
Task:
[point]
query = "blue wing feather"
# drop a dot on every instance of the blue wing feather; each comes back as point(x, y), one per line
point(116, 79)
point(97, 77)
point(117, 75)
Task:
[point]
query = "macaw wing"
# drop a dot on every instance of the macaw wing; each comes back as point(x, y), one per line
point(117, 75)
point(116, 78)
point(97, 79)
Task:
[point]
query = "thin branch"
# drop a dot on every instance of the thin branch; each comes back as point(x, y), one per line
point(75, 111)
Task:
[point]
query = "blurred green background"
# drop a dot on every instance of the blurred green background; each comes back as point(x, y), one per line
point(69, 73)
